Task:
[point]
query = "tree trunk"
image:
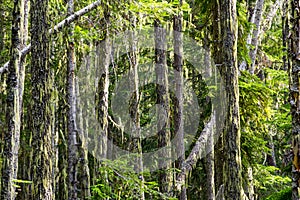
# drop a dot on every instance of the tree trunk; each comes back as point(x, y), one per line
point(229, 73)
point(135, 109)
point(295, 95)
point(72, 123)
point(178, 118)
point(83, 171)
point(41, 110)
point(219, 144)
point(254, 40)
point(162, 107)
point(13, 118)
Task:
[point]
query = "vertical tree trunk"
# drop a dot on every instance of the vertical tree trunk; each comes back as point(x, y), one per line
point(229, 73)
point(254, 39)
point(41, 95)
point(72, 125)
point(24, 154)
point(210, 181)
point(163, 110)
point(295, 95)
point(209, 160)
point(84, 171)
point(13, 118)
point(178, 118)
point(135, 112)
point(219, 146)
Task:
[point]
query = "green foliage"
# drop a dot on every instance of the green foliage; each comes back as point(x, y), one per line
point(158, 10)
point(244, 27)
point(281, 195)
point(117, 180)
point(255, 110)
point(265, 114)
point(268, 180)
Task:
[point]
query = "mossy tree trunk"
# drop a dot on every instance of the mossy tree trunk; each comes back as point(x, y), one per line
point(232, 176)
point(41, 95)
point(178, 118)
point(72, 125)
point(13, 118)
point(163, 110)
point(295, 94)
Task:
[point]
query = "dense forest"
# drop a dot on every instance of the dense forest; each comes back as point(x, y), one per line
point(145, 99)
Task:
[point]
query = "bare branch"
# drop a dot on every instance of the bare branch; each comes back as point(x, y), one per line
point(56, 28)
point(197, 151)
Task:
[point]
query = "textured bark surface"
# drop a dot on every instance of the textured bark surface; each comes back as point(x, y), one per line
point(72, 125)
point(178, 104)
point(41, 96)
point(12, 136)
point(257, 15)
point(137, 140)
point(83, 167)
point(295, 95)
point(229, 72)
point(162, 109)
point(216, 52)
point(24, 153)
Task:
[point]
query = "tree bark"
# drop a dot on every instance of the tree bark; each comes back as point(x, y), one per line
point(41, 110)
point(162, 107)
point(229, 73)
point(178, 118)
point(295, 94)
point(84, 171)
point(13, 118)
point(254, 39)
point(135, 111)
point(72, 122)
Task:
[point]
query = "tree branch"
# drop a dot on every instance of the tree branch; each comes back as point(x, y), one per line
point(197, 151)
point(56, 28)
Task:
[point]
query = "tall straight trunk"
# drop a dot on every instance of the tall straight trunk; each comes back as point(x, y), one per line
point(72, 125)
point(163, 110)
point(41, 110)
point(219, 146)
point(209, 160)
point(83, 167)
point(178, 118)
point(103, 62)
point(135, 110)
point(295, 95)
point(13, 118)
point(229, 73)
point(254, 39)
point(24, 155)
point(24, 41)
